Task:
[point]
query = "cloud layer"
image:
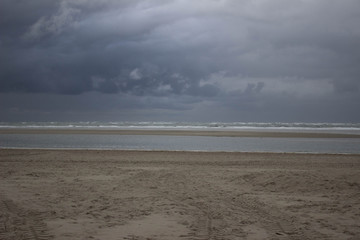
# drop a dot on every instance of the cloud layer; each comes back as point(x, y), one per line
point(243, 58)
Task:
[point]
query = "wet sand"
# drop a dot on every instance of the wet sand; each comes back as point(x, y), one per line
point(182, 132)
point(90, 194)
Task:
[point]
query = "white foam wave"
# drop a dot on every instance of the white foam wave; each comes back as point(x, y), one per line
point(271, 126)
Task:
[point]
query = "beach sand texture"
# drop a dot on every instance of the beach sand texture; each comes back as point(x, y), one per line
point(90, 194)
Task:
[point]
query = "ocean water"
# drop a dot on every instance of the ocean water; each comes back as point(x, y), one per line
point(255, 126)
point(178, 143)
point(189, 143)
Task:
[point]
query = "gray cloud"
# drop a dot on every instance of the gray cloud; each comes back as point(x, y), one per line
point(229, 54)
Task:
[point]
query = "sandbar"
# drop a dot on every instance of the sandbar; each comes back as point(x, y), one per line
point(181, 132)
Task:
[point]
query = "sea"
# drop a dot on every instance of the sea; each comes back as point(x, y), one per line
point(185, 143)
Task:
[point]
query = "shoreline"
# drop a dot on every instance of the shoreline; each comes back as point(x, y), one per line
point(205, 133)
point(172, 151)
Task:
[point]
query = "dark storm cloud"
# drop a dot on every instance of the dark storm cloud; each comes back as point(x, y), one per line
point(238, 54)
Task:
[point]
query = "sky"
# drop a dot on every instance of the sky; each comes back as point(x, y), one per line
point(180, 60)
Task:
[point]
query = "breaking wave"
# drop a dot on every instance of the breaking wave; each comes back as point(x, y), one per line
point(187, 125)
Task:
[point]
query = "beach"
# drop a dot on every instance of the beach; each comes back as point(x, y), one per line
point(123, 194)
point(182, 132)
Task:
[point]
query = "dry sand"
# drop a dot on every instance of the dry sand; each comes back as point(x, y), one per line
point(79, 194)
